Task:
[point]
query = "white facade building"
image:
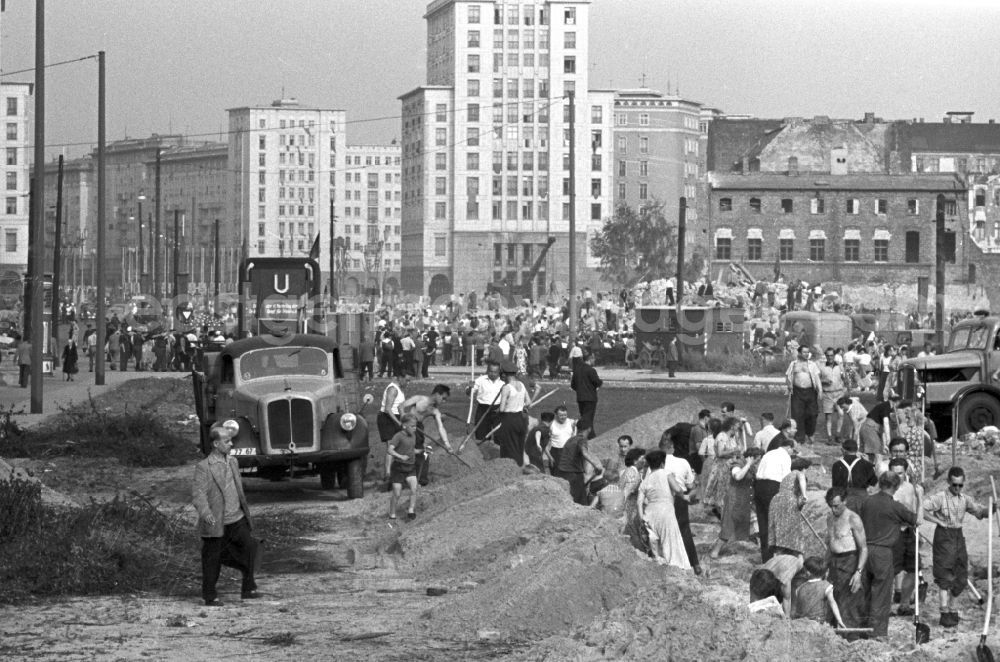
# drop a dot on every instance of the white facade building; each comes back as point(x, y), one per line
point(485, 154)
point(17, 110)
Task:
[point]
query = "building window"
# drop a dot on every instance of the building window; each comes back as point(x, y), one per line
point(472, 161)
point(882, 206)
point(881, 250)
point(912, 246)
point(595, 212)
point(786, 206)
point(260, 246)
point(622, 145)
point(473, 62)
point(755, 205)
point(440, 137)
point(473, 41)
point(643, 119)
point(622, 169)
point(440, 210)
point(852, 250)
point(11, 207)
point(262, 142)
point(569, 40)
point(11, 181)
point(912, 207)
point(569, 65)
point(725, 204)
point(755, 248)
point(644, 191)
point(621, 191)
point(440, 245)
point(595, 162)
point(11, 156)
point(786, 249)
point(473, 14)
point(472, 136)
point(643, 145)
point(11, 131)
point(473, 87)
point(596, 115)
point(853, 206)
point(440, 161)
point(261, 211)
point(440, 186)
point(569, 16)
point(472, 112)
point(12, 106)
point(817, 206)
point(817, 250)
point(441, 112)
point(951, 206)
point(723, 248)
point(595, 188)
point(644, 168)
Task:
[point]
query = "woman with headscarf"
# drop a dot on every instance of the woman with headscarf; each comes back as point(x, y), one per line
point(655, 504)
point(788, 527)
point(514, 399)
point(738, 506)
point(727, 446)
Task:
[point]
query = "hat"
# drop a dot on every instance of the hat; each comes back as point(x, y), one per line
point(850, 446)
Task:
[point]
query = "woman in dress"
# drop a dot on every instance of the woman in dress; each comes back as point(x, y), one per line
point(628, 481)
point(727, 446)
point(788, 527)
point(707, 453)
point(521, 357)
point(70, 357)
point(656, 508)
point(514, 399)
point(736, 512)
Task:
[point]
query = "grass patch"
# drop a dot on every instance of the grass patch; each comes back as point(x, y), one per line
point(130, 424)
point(734, 364)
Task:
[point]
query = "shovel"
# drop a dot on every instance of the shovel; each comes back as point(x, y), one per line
point(983, 652)
point(921, 631)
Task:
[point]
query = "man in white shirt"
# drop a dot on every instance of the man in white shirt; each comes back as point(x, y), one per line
point(486, 393)
point(561, 430)
point(771, 470)
point(767, 431)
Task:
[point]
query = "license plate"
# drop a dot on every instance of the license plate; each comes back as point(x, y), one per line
point(243, 451)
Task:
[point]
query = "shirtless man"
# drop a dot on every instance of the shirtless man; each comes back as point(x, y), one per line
point(910, 495)
point(847, 553)
point(423, 407)
point(805, 389)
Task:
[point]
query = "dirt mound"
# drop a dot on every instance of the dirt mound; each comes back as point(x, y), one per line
point(646, 430)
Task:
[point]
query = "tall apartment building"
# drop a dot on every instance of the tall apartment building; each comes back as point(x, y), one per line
point(368, 217)
point(286, 162)
point(16, 177)
point(486, 148)
point(658, 150)
point(79, 242)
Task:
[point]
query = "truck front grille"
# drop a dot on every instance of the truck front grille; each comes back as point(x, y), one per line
point(290, 420)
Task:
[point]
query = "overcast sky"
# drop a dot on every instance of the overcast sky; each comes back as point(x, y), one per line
point(176, 65)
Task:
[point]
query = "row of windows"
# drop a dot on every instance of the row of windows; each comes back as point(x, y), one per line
point(304, 228)
point(515, 39)
point(515, 15)
point(817, 250)
point(514, 210)
point(623, 145)
point(956, 164)
point(356, 212)
point(851, 206)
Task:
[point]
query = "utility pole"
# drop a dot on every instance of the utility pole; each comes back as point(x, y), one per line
point(38, 214)
point(177, 251)
point(572, 219)
point(143, 274)
point(333, 304)
point(57, 257)
point(939, 272)
point(681, 232)
point(157, 292)
point(101, 226)
point(215, 269)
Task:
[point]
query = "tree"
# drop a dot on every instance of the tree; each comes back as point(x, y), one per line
point(636, 245)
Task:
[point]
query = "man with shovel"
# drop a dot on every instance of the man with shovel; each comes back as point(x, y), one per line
point(951, 562)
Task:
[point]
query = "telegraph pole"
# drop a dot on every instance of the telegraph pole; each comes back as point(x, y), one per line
point(57, 257)
point(177, 250)
point(681, 232)
point(38, 214)
point(572, 219)
point(939, 272)
point(215, 269)
point(157, 283)
point(333, 305)
point(101, 226)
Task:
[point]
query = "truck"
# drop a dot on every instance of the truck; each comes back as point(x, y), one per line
point(817, 329)
point(961, 391)
point(291, 387)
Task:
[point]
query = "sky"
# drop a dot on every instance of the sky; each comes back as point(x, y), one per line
point(176, 65)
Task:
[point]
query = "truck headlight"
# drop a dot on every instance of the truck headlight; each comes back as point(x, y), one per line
point(348, 422)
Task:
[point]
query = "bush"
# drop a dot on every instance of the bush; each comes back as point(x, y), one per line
point(137, 437)
point(124, 545)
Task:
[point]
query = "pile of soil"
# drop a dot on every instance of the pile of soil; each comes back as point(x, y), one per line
point(646, 430)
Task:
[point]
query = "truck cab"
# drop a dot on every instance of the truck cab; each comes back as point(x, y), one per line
point(959, 386)
point(296, 411)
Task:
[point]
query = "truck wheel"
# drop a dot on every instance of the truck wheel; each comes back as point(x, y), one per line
point(976, 412)
point(328, 476)
point(355, 478)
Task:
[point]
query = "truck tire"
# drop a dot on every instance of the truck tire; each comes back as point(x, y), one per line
point(328, 476)
point(355, 478)
point(976, 412)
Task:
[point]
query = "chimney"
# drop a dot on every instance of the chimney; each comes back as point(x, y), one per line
point(992, 121)
point(744, 165)
point(869, 118)
point(947, 120)
point(793, 166)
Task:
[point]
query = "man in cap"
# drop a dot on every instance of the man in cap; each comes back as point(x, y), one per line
point(224, 522)
point(586, 382)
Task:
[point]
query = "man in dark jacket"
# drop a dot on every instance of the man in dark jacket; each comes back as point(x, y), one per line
point(586, 382)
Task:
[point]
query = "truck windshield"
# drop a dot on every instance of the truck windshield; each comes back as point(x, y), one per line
point(284, 361)
point(970, 337)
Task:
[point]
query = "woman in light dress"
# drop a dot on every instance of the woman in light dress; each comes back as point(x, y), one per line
point(656, 508)
point(628, 482)
point(727, 445)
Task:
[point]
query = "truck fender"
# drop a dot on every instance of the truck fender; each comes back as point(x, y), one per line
point(987, 410)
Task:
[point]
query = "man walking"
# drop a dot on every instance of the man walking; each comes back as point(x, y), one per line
point(805, 390)
point(847, 555)
point(366, 358)
point(223, 519)
point(23, 357)
point(586, 382)
point(883, 517)
point(832, 379)
point(486, 393)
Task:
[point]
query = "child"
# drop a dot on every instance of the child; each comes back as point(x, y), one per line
point(400, 457)
point(538, 439)
point(813, 599)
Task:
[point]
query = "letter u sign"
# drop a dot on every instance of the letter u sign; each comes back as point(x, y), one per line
point(280, 290)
